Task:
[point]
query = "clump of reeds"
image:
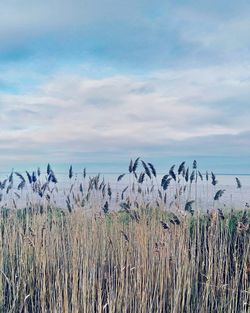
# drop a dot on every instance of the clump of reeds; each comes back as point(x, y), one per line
point(126, 261)
point(147, 246)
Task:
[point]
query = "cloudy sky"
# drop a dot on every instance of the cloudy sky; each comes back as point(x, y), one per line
point(97, 82)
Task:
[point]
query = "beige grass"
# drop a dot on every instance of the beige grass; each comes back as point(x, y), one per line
point(82, 263)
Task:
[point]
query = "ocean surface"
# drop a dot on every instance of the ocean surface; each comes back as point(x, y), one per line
point(176, 194)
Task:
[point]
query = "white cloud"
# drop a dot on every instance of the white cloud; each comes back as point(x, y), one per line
point(71, 113)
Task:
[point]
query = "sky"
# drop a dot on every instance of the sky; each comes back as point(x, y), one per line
point(100, 82)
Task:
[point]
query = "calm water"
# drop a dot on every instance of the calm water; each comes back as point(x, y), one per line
point(232, 197)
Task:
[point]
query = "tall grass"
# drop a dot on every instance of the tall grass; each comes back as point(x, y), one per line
point(142, 257)
point(114, 263)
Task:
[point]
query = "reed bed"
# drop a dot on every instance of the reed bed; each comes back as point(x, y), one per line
point(114, 263)
point(144, 256)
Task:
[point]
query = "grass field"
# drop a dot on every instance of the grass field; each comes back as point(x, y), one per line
point(143, 257)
